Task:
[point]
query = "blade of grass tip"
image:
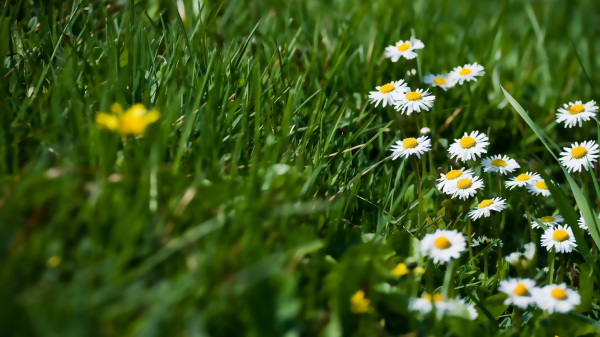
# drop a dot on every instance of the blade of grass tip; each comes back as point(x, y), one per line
point(337, 122)
point(180, 22)
point(244, 47)
point(560, 198)
point(584, 71)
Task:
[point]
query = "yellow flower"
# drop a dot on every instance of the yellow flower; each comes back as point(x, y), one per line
point(359, 304)
point(401, 270)
point(133, 121)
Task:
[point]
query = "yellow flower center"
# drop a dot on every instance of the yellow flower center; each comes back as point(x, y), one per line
point(498, 162)
point(547, 219)
point(467, 142)
point(386, 88)
point(413, 96)
point(400, 270)
point(578, 152)
point(464, 71)
point(442, 243)
point(559, 294)
point(541, 185)
point(520, 290)
point(439, 80)
point(403, 47)
point(485, 203)
point(464, 183)
point(576, 109)
point(409, 143)
point(560, 235)
point(522, 177)
point(453, 174)
point(434, 298)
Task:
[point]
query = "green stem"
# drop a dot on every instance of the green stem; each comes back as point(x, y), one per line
point(499, 248)
point(561, 275)
point(466, 209)
point(419, 192)
point(485, 268)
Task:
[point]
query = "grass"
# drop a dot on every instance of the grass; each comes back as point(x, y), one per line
point(265, 197)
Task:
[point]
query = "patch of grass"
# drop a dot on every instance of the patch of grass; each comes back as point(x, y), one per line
point(265, 197)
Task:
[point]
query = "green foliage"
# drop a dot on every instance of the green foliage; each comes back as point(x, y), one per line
point(265, 195)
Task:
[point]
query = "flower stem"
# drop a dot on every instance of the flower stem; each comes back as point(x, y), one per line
point(419, 192)
point(485, 268)
point(561, 275)
point(469, 230)
point(499, 248)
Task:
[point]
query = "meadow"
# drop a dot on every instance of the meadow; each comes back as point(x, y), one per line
point(219, 168)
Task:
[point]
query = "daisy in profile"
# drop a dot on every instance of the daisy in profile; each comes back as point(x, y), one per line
point(425, 304)
point(442, 81)
point(520, 292)
point(523, 179)
point(469, 146)
point(579, 155)
point(387, 93)
point(512, 258)
point(559, 237)
point(556, 298)
point(499, 164)
point(549, 221)
point(468, 72)
point(582, 223)
point(414, 101)
point(528, 254)
point(539, 187)
point(486, 206)
point(404, 49)
point(576, 113)
point(408, 146)
point(443, 245)
point(483, 240)
point(466, 187)
point(447, 181)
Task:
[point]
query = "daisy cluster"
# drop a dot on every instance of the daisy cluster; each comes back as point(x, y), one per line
point(523, 293)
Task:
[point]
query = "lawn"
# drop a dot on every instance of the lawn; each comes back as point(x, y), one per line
point(209, 168)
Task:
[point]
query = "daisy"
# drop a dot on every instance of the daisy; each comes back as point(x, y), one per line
point(448, 180)
point(387, 93)
point(469, 308)
point(483, 240)
point(467, 73)
point(499, 164)
point(408, 146)
point(512, 258)
point(539, 187)
point(577, 112)
point(556, 298)
point(523, 179)
point(466, 187)
point(441, 81)
point(549, 221)
point(469, 146)
point(528, 254)
point(414, 101)
point(582, 223)
point(486, 206)
point(559, 237)
point(404, 49)
point(425, 304)
point(520, 292)
point(579, 155)
point(443, 245)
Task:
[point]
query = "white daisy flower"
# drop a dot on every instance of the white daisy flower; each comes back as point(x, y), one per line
point(582, 223)
point(529, 251)
point(520, 292)
point(556, 298)
point(499, 164)
point(539, 187)
point(443, 245)
point(447, 181)
point(425, 131)
point(469, 146)
point(574, 113)
point(425, 304)
point(559, 237)
point(467, 73)
point(414, 101)
point(404, 49)
point(442, 81)
point(408, 146)
point(466, 187)
point(512, 258)
point(579, 155)
point(523, 179)
point(387, 93)
point(486, 206)
point(483, 240)
point(549, 221)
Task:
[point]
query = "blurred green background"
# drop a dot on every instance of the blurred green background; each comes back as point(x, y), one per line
point(237, 214)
